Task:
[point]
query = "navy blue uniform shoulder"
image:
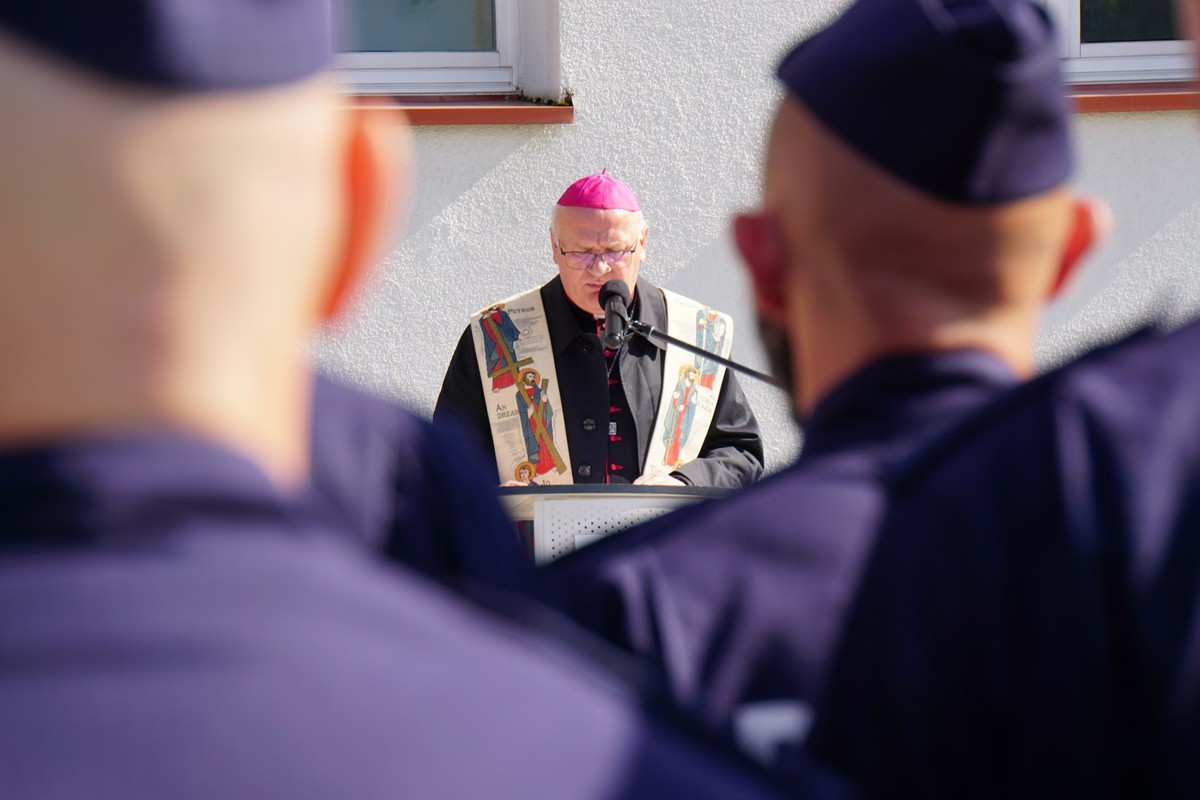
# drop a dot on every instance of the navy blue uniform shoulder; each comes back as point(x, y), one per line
point(738, 602)
point(196, 637)
point(708, 595)
point(421, 492)
point(1136, 369)
point(1027, 624)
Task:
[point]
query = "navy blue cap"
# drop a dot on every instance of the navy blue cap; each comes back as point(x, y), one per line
point(959, 98)
point(180, 45)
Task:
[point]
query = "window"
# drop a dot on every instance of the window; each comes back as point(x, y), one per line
point(1120, 41)
point(430, 47)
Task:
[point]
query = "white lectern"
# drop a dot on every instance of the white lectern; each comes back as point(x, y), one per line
point(554, 520)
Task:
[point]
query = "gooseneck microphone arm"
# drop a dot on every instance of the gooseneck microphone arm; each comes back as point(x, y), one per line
point(614, 299)
point(651, 333)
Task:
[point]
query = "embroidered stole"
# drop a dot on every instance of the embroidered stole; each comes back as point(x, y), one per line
point(691, 384)
point(520, 387)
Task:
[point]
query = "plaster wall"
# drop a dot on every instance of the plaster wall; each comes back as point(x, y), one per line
point(676, 100)
point(1147, 168)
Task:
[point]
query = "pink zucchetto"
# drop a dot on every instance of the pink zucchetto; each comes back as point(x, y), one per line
point(600, 191)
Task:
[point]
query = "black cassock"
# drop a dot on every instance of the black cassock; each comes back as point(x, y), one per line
point(732, 453)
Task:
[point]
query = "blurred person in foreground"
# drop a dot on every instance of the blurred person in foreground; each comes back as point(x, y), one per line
point(532, 378)
point(419, 493)
point(1029, 623)
point(184, 199)
point(899, 271)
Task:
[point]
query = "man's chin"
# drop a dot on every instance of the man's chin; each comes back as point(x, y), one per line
point(589, 302)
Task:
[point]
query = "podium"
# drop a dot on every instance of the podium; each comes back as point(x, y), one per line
point(555, 520)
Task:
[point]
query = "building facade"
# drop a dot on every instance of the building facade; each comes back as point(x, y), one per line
point(676, 99)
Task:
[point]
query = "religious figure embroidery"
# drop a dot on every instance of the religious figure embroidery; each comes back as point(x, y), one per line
point(500, 335)
point(710, 335)
point(524, 472)
point(533, 398)
point(679, 416)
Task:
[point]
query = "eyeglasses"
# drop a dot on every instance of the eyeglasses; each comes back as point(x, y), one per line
point(614, 259)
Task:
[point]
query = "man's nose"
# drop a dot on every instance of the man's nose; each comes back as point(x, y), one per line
point(599, 265)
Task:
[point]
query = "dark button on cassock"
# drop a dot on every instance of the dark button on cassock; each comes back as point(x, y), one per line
point(585, 470)
point(589, 425)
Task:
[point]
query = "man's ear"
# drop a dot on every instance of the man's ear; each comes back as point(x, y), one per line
point(1091, 222)
point(760, 242)
point(375, 179)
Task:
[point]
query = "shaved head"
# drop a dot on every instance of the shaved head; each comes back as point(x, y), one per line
point(97, 178)
point(841, 212)
point(164, 256)
point(850, 263)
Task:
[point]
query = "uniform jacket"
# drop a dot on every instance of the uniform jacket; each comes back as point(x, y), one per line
point(423, 494)
point(732, 454)
point(740, 600)
point(1029, 624)
point(174, 626)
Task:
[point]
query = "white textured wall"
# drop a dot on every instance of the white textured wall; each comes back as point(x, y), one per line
point(1147, 167)
point(675, 99)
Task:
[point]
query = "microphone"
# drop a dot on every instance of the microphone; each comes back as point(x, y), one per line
point(614, 299)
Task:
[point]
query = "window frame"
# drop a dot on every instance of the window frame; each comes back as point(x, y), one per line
point(437, 73)
point(1116, 62)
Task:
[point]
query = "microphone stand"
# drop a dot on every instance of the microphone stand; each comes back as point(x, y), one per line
point(650, 333)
